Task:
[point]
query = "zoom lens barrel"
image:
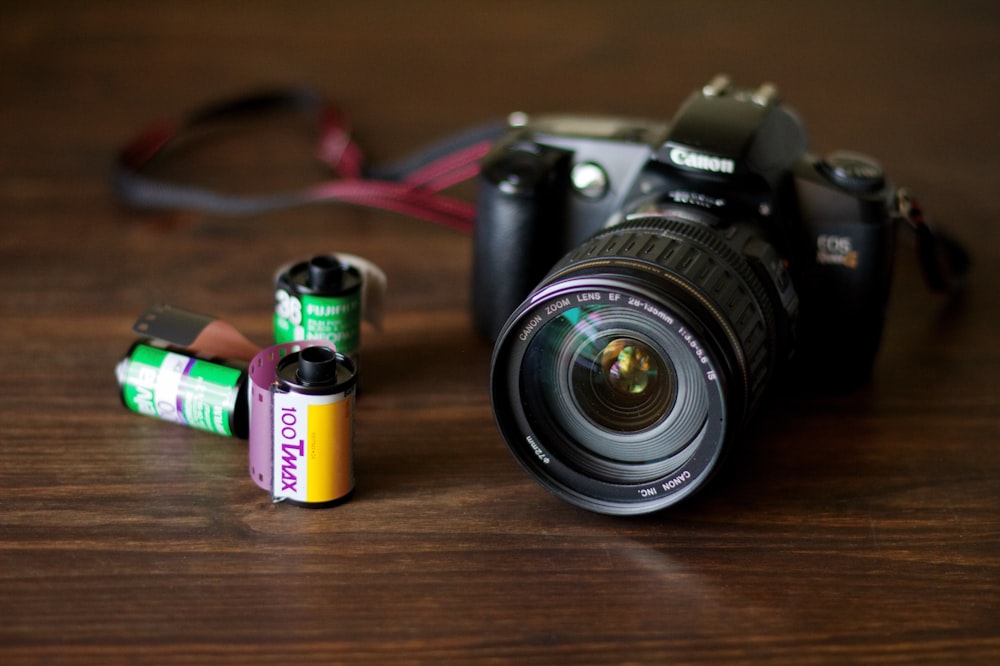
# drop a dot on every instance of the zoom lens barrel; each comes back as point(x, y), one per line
point(620, 381)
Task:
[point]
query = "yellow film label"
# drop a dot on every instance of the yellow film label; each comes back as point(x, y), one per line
point(313, 459)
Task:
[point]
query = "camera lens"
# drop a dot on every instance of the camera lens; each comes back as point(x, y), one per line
point(618, 394)
point(625, 387)
point(621, 379)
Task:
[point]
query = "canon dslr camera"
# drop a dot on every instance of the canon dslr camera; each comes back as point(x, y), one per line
point(703, 253)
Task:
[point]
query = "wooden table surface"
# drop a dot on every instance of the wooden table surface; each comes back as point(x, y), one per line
point(848, 528)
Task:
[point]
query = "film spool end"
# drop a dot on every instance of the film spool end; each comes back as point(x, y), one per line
point(326, 273)
point(317, 365)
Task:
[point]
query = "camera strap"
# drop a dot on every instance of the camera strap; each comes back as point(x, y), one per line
point(412, 187)
point(944, 263)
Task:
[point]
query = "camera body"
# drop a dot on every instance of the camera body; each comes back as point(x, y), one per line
point(645, 282)
point(729, 157)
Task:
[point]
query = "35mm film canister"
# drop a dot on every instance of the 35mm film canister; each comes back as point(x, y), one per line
point(302, 423)
point(177, 386)
point(319, 299)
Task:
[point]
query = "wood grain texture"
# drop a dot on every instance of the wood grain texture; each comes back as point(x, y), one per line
point(857, 528)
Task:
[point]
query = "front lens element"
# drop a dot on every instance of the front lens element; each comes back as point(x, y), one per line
point(623, 396)
point(628, 367)
point(627, 387)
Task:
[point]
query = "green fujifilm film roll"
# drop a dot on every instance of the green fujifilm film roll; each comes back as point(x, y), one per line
point(177, 386)
point(319, 299)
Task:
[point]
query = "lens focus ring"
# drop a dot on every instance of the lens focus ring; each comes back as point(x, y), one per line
point(711, 270)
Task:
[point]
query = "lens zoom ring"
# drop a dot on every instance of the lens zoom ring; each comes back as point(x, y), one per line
point(714, 269)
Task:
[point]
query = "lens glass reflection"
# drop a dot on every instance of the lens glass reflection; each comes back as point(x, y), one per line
point(628, 366)
point(616, 388)
point(624, 387)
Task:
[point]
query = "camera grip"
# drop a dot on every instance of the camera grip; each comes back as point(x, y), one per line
point(515, 239)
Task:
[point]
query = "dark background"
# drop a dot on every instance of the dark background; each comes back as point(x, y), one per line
point(848, 528)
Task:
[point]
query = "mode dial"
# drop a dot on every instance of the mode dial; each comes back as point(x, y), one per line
point(853, 172)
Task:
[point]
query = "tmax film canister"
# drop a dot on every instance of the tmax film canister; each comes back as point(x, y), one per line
point(302, 423)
